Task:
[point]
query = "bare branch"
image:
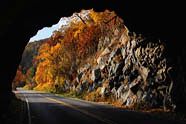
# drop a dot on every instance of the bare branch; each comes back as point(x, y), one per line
point(80, 18)
point(111, 19)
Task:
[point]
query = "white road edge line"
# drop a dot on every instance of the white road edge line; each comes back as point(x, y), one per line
point(28, 108)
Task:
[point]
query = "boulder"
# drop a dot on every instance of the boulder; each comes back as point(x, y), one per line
point(114, 92)
point(136, 70)
point(102, 92)
point(96, 74)
point(126, 97)
point(79, 77)
point(139, 95)
point(90, 89)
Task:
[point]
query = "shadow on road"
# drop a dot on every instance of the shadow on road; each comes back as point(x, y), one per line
point(46, 111)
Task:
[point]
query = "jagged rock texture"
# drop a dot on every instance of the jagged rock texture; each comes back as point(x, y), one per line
point(131, 69)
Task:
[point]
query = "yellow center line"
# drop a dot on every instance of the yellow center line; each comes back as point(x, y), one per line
point(80, 110)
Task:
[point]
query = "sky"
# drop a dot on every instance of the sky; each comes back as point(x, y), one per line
point(47, 31)
point(44, 33)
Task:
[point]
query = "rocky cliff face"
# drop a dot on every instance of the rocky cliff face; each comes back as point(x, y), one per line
point(133, 71)
point(109, 62)
point(128, 68)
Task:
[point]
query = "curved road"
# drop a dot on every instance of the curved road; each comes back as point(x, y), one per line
point(45, 108)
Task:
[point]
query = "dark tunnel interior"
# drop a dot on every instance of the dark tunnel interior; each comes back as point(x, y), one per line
point(20, 20)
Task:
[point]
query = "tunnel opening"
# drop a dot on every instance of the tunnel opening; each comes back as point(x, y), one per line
point(157, 22)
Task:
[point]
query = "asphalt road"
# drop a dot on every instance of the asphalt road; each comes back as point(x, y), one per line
point(45, 108)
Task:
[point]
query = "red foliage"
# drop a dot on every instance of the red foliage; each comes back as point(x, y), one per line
point(88, 40)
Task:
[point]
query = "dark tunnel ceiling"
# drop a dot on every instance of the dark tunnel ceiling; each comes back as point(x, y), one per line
point(142, 17)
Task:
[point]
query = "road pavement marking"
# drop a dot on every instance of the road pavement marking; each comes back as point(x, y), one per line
point(28, 107)
point(27, 104)
point(80, 110)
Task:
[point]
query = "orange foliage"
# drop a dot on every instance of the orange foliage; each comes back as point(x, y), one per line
point(54, 63)
point(19, 79)
point(41, 73)
point(88, 41)
point(102, 17)
point(62, 54)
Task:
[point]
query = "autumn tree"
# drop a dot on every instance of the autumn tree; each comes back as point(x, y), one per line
point(54, 63)
point(57, 59)
point(19, 80)
point(88, 40)
point(30, 78)
point(31, 50)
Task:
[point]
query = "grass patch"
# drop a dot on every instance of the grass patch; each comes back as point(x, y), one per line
point(72, 94)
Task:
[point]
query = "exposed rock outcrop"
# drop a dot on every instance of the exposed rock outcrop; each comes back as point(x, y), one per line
point(135, 73)
point(131, 69)
point(109, 62)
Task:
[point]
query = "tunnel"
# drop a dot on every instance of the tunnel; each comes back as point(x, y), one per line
point(20, 20)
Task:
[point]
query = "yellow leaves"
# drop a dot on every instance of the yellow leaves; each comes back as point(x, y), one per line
point(80, 28)
point(19, 79)
point(101, 17)
point(55, 49)
point(47, 87)
point(50, 68)
point(95, 16)
point(59, 58)
point(39, 72)
point(28, 86)
point(60, 81)
point(44, 73)
point(44, 48)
